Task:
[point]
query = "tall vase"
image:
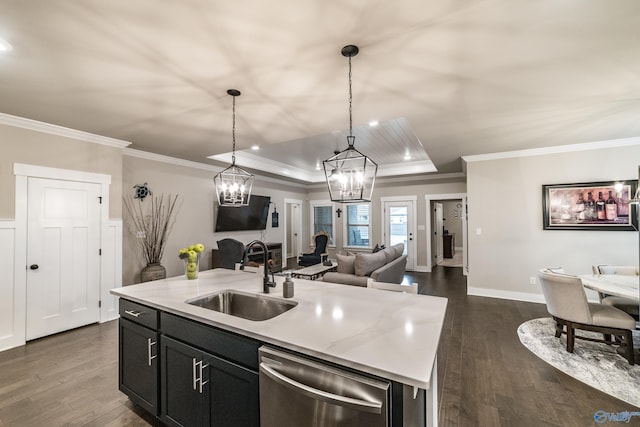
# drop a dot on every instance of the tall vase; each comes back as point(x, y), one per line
point(192, 266)
point(153, 271)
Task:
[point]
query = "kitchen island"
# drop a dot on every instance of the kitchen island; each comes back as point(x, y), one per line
point(384, 334)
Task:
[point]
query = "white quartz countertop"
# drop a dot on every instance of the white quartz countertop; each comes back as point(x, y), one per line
point(390, 334)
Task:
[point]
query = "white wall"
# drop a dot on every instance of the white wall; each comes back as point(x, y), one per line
point(12, 321)
point(505, 202)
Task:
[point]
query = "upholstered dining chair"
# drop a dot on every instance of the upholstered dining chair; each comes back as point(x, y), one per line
point(567, 303)
point(230, 252)
point(321, 240)
point(625, 304)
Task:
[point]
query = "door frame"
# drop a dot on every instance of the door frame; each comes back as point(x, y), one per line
point(429, 220)
point(285, 225)
point(414, 201)
point(439, 223)
point(110, 242)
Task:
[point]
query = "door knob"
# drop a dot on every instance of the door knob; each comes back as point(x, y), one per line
point(34, 266)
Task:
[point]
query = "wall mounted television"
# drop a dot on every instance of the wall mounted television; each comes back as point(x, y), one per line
point(252, 217)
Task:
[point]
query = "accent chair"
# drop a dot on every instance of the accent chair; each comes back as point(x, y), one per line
point(320, 253)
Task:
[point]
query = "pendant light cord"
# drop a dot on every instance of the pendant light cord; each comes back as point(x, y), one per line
point(233, 132)
point(350, 140)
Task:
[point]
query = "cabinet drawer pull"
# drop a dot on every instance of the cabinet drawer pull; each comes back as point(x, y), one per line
point(149, 345)
point(133, 313)
point(195, 378)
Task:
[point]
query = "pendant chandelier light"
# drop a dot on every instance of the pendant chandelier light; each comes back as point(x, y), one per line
point(350, 174)
point(233, 184)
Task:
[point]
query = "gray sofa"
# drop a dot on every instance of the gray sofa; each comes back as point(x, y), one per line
point(387, 265)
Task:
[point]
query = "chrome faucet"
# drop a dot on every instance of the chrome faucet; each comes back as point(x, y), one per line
point(266, 283)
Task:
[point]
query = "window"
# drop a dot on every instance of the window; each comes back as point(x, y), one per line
point(358, 224)
point(322, 218)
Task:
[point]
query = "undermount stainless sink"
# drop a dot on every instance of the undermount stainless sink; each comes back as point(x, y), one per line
point(247, 306)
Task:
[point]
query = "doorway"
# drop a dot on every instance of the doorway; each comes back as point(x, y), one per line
point(438, 220)
point(293, 231)
point(399, 225)
point(450, 234)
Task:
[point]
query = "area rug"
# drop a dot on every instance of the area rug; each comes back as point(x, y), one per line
point(595, 364)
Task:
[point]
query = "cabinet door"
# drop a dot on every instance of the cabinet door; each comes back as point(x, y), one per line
point(234, 394)
point(138, 364)
point(183, 398)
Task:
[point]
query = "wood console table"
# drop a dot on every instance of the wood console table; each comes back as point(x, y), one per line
point(448, 245)
point(274, 253)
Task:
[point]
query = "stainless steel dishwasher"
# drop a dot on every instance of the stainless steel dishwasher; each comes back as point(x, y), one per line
point(299, 392)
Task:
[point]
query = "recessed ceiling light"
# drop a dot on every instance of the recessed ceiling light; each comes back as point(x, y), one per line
point(255, 147)
point(373, 123)
point(407, 156)
point(5, 46)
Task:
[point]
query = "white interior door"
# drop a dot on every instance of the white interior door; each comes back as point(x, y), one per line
point(63, 243)
point(439, 226)
point(399, 227)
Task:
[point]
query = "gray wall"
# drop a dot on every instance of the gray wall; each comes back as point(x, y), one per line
point(19, 145)
point(195, 222)
point(505, 202)
point(392, 188)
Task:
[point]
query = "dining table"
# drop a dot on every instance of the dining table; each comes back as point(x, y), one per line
point(613, 284)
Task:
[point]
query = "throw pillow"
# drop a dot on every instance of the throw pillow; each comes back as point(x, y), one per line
point(399, 248)
point(390, 253)
point(365, 264)
point(346, 264)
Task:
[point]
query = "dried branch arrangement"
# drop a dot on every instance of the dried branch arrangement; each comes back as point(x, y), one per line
point(152, 223)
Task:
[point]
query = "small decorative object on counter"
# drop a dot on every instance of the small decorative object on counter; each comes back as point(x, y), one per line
point(287, 287)
point(191, 258)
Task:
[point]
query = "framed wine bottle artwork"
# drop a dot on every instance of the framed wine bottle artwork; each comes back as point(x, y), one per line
point(609, 205)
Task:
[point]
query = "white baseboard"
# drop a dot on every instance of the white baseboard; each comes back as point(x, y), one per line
point(502, 294)
point(518, 296)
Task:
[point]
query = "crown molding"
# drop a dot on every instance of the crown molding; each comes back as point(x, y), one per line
point(407, 179)
point(597, 145)
point(21, 122)
point(196, 165)
point(256, 162)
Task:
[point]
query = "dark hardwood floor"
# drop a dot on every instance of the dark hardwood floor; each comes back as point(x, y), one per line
point(485, 376)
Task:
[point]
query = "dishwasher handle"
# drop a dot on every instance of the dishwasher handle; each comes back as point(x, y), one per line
point(357, 404)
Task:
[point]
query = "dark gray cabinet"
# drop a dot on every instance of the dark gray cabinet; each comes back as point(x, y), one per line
point(217, 371)
point(187, 373)
point(200, 389)
point(138, 355)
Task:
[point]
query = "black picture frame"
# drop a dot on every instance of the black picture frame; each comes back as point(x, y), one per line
point(562, 208)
